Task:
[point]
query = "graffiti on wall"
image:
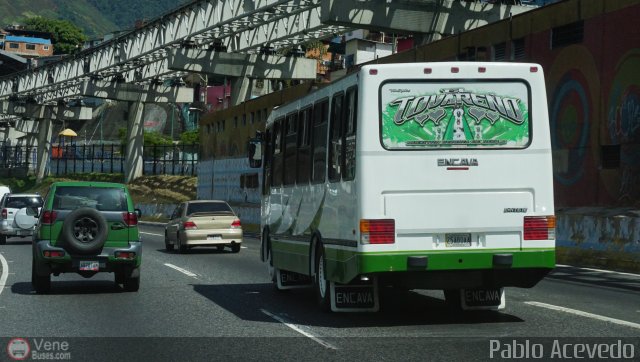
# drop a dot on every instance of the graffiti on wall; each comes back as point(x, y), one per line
point(623, 124)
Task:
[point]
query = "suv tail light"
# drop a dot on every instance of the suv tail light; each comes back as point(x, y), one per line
point(48, 217)
point(53, 254)
point(189, 225)
point(236, 224)
point(3, 214)
point(130, 218)
point(539, 227)
point(378, 231)
point(127, 255)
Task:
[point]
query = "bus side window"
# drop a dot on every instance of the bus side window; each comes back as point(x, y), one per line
point(349, 129)
point(319, 155)
point(290, 147)
point(304, 146)
point(277, 163)
point(335, 137)
point(268, 157)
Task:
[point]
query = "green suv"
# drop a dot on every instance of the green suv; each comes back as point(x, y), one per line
point(86, 228)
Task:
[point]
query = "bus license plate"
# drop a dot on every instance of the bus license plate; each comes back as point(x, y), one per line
point(90, 265)
point(457, 240)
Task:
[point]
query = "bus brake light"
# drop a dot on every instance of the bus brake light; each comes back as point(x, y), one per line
point(377, 231)
point(539, 227)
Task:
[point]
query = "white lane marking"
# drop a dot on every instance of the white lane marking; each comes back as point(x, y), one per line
point(142, 232)
point(598, 270)
point(183, 271)
point(243, 247)
point(299, 330)
point(5, 272)
point(585, 314)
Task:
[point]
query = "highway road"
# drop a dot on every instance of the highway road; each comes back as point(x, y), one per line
point(210, 305)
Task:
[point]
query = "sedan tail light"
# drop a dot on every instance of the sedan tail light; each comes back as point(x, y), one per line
point(236, 224)
point(189, 225)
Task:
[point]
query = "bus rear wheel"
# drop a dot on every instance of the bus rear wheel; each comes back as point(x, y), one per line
point(323, 292)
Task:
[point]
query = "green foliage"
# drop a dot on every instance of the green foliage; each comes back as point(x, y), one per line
point(190, 137)
point(67, 38)
point(19, 184)
point(125, 12)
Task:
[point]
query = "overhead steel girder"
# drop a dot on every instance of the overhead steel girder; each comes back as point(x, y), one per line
point(411, 16)
point(239, 65)
point(42, 111)
point(26, 110)
point(244, 24)
point(69, 113)
point(136, 92)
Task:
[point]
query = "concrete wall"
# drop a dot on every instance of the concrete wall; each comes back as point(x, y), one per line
point(597, 237)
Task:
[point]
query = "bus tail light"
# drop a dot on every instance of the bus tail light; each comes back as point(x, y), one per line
point(539, 227)
point(377, 231)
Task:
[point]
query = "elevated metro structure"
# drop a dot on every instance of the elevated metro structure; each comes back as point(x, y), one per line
point(240, 39)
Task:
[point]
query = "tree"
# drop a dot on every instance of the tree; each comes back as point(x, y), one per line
point(66, 37)
point(190, 137)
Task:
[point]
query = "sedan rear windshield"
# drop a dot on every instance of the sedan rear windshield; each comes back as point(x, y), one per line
point(209, 208)
point(18, 202)
point(100, 198)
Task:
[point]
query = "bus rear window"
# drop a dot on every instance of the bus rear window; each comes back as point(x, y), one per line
point(455, 115)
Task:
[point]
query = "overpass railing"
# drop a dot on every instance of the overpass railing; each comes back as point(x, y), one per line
point(19, 161)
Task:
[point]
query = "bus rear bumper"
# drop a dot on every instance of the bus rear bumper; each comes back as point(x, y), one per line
point(458, 270)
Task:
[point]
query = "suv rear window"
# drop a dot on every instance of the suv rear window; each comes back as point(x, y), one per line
point(18, 202)
point(100, 198)
point(208, 207)
point(470, 114)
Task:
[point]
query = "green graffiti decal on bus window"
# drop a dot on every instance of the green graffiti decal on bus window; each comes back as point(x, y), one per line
point(469, 115)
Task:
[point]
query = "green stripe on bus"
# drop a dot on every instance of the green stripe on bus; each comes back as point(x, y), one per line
point(389, 262)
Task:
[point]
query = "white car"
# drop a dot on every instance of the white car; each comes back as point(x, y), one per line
point(18, 215)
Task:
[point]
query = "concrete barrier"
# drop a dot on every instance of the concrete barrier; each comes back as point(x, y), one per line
point(599, 237)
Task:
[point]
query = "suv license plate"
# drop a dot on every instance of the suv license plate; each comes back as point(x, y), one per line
point(457, 240)
point(90, 265)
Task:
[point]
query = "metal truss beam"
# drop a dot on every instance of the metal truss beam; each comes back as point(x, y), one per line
point(140, 56)
point(155, 93)
point(242, 65)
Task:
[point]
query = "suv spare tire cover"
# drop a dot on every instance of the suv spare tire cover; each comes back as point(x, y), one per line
point(25, 219)
point(84, 231)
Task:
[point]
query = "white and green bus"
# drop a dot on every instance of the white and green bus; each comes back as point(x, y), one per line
point(418, 176)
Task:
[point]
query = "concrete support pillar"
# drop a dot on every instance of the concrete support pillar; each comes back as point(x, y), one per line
point(44, 148)
point(134, 163)
point(241, 87)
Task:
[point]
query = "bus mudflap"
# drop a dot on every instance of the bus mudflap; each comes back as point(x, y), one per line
point(482, 299)
point(291, 280)
point(357, 296)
